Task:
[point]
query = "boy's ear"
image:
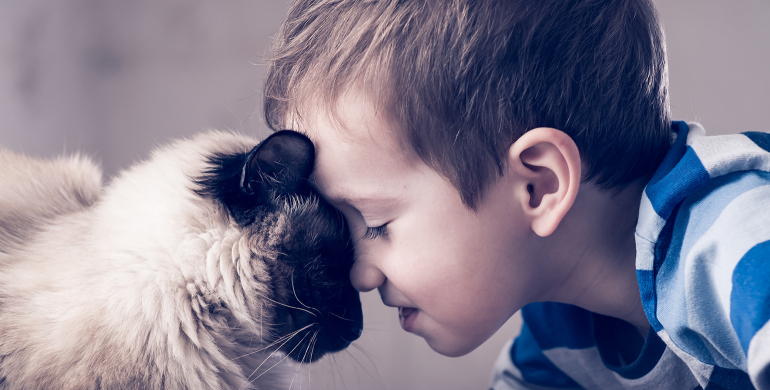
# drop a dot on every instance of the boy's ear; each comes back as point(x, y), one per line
point(547, 163)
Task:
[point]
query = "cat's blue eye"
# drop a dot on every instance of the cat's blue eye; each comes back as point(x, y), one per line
point(373, 233)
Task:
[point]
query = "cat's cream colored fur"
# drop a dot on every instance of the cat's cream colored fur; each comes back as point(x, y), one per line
point(33, 191)
point(141, 285)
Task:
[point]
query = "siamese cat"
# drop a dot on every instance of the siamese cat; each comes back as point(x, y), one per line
point(204, 267)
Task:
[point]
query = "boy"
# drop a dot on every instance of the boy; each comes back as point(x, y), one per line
point(492, 156)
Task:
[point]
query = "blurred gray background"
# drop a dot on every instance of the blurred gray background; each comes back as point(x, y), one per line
point(114, 79)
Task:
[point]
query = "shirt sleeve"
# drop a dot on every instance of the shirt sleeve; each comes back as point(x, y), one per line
point(750, 311)
point(709, 279)
point(750, 298)
point(713, 288)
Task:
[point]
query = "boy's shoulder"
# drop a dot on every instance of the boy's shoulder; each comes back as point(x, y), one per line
point(564, 346)
point(697, 165)
point(703, 219)
point(703, 241)
point(703, 238)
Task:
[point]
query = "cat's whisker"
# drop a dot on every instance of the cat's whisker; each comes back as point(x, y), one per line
point(248, 378)
point(312, 339)
point(346, 319)
point(279, 362)
point(369, 358)
point(312, 349)
point(313, 343)
point(297, 297)
point(286, 337)
point(278, 340)
point(299, 367)
point(289, 335)
point(291, 307)
point(338, 370)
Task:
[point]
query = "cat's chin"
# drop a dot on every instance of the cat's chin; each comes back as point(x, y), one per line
point(306, 338)
point(312, 344)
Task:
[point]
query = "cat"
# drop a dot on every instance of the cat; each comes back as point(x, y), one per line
point(204, 267)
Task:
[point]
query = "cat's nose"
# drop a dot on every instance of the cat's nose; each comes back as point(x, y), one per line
point(350, 329)
point(355, 313)
point(343, 332)
point(346, 321)
point(356, 329)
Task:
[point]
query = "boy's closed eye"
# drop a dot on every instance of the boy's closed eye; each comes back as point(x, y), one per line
point(363, 208)
point(373, 233)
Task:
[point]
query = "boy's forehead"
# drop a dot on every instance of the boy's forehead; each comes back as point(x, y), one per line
point(352, 122)
point(357, 150)
point(359, 177)
point(339, 195)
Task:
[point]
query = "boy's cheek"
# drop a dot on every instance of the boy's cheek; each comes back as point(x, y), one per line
point(458, 329)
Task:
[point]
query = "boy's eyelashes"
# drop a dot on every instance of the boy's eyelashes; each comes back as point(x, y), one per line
point(373, 233)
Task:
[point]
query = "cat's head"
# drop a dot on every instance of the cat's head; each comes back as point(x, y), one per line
point(266, 192)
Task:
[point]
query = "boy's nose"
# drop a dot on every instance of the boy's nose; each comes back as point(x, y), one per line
point(365, 276)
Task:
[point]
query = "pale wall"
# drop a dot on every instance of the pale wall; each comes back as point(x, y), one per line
point(115, 78)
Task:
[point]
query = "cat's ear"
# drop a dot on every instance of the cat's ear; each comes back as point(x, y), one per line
point(281, 164)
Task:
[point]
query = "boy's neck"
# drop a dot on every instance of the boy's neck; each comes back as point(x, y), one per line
point(593, 254)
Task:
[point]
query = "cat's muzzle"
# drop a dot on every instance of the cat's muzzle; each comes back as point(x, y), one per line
point(319, 332)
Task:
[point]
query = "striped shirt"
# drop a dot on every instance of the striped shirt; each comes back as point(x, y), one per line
point(703, 267)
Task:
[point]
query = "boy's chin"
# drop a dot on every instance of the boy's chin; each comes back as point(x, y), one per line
point(452, 347)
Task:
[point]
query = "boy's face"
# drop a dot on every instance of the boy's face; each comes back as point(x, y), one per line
point(456, 275)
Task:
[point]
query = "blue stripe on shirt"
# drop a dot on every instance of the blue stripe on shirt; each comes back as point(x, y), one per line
point(549, 328)
point(750, 297)
point(696, 309)
point(701, 209)
point(647, 290)
point(696, 215)
point(535, 367)
point(674, 154)
point(761, 139)
point(647, 285)
point(729, 379)
point(686, 177)
point(617, 339)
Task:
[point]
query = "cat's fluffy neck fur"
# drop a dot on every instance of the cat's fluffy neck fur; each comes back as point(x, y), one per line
point(169, 315)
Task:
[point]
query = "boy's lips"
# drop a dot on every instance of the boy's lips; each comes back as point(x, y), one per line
point(407, 316)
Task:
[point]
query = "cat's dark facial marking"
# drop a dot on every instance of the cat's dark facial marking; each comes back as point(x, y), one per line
point(310, 277)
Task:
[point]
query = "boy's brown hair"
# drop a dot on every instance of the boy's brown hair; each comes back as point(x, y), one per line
point(463, 79)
